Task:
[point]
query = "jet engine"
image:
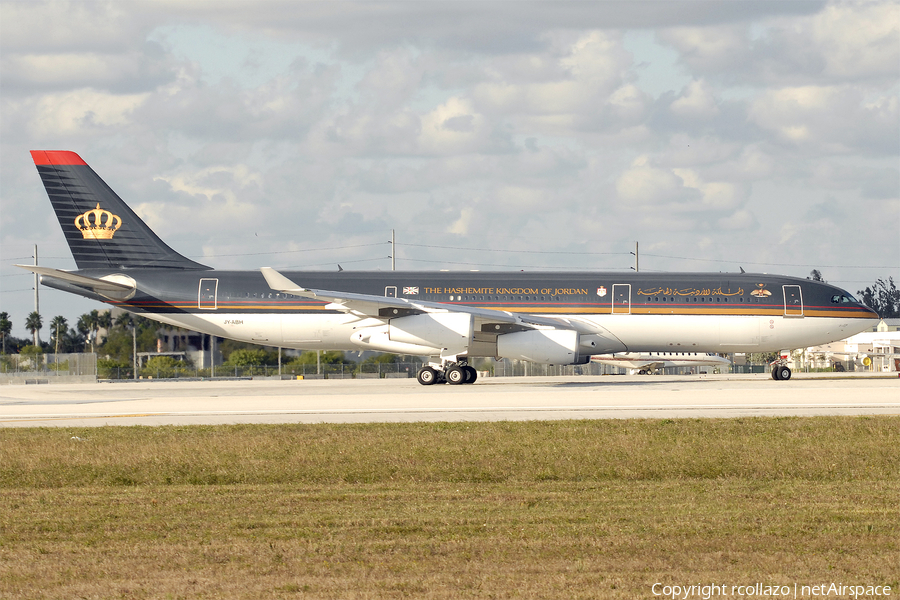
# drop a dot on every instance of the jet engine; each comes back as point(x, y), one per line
point(425, 334)
point(452, 331)
point(549, 346)
point(378, 339)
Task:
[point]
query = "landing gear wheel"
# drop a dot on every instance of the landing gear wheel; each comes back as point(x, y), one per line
point(426, 376)
point(471, 374)
point(781, 373)
point(455, 375)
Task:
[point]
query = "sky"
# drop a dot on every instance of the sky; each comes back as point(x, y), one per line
point(546, 135)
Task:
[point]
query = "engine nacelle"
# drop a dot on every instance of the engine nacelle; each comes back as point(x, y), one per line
point(453, 331)
point(549, 346)
point(378, 339)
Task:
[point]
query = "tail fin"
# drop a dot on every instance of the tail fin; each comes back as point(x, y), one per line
point(101, 230)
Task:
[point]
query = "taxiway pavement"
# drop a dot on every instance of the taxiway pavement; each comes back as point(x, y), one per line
point(404, 400)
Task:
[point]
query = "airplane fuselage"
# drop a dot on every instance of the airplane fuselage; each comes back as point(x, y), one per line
point(634, 312)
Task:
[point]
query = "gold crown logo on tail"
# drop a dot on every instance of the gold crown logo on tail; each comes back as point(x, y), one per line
point(102, 226)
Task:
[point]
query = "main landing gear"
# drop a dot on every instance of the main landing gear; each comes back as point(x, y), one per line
point(456, 373)
point(780, 372)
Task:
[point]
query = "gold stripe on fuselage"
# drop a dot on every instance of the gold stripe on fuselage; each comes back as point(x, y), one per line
point(735, 311)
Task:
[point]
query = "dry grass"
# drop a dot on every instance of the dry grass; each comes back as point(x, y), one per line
point(578, 509)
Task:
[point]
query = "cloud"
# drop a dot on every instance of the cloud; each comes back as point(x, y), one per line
point(454, 127)
point(644, 185)
point(709, 49)
point(858, 40)
point(82, 113)
point(828, 119)
point(585, 85)
point(696, 101)
point(52, 27)
point(844, 42)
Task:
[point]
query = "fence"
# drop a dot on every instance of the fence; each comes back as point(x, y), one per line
point(49, 365)
point(326, 371)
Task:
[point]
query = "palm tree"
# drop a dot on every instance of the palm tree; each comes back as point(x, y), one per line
point(59, 326)
point(128, 320)
point(86, 324)
point(34, 323)
point(104, 321)
point(124, 320)
point(5, 328)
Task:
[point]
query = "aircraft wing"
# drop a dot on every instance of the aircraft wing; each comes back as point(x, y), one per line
point(651, 366)
point(626, 362)
point(383, 307)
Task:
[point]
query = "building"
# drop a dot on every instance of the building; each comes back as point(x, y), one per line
point(877, 351)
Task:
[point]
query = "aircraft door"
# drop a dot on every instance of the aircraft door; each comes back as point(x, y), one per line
point(207, 296)
point(621, 299)
point(793, 301)
point(390, 291)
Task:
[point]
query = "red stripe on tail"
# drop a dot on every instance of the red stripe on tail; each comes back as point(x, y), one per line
point(56, 157)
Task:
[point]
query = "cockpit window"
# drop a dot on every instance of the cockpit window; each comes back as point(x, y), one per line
point(840, 299)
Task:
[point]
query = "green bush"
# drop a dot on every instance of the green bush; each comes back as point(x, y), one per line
point(163, 367)
point(110, 368)
point(251, 357)
point(33, 355)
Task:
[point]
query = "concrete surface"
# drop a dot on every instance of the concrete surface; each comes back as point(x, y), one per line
point(401, 400)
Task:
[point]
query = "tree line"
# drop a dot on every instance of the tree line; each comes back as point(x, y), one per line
point(116, 339)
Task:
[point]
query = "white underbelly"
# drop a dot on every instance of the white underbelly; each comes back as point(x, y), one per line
point(715, 333)
point(301, 331)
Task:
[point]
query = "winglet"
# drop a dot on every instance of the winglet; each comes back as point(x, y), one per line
point(280, 283)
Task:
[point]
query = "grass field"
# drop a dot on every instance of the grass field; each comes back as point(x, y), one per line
point(571, 509)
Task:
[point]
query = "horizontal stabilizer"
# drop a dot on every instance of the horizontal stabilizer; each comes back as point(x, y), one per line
point(114, 286)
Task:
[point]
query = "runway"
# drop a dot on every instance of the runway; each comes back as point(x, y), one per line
point(404, 400)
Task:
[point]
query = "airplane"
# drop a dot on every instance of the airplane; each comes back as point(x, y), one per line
point(646, 363)
point(453, 318)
